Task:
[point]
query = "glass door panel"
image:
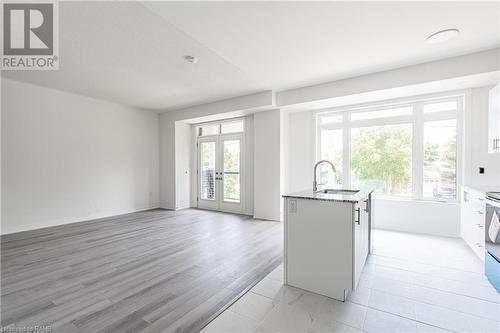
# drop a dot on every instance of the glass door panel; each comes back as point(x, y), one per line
point(207, 173)
point(231, 172)
point(231, 163)
point(207, 170)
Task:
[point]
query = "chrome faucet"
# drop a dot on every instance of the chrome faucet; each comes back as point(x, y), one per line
point(315, 183)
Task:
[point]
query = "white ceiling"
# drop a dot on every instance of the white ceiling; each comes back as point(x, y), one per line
point(131, 52)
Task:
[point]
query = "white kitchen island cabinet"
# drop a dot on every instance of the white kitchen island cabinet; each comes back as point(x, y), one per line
point(326, 241)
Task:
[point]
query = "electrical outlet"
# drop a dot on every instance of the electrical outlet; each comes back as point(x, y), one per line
point(292, 206)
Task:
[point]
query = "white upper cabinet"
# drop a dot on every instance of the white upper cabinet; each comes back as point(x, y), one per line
point(494, 121)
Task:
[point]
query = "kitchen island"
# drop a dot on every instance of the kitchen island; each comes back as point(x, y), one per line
point(327, 239)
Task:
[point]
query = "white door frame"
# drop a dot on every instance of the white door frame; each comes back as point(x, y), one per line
point(228, 206)
point(207, 203)
point(218, 203)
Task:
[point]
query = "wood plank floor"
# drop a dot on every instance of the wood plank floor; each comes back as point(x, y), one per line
point(152, 271)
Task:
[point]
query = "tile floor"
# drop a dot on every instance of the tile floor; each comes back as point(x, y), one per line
point(411, 283)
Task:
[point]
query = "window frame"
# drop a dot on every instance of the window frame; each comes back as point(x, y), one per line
point(417, 119)
point(219, 123)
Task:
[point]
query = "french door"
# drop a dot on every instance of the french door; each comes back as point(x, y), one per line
point(220, 160)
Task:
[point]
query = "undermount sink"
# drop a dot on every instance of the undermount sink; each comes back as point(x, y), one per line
point(333, 191)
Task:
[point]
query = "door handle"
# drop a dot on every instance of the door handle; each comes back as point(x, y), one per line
point(358, 210)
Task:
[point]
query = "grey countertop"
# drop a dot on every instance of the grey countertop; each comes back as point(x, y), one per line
point(350, 198)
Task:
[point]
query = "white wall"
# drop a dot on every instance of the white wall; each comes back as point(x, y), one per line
point(301, 151)
point(249, 165)
point(68, 158)
point(183, 149)
point(267, 165)
point(167, 161)
point(476, 142)
point(284, 158)
point(435, 218)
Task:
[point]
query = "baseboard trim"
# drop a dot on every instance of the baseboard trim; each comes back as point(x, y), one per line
point(94, 218)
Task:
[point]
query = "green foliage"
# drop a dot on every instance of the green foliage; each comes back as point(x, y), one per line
point(231, 181)
point(431, 154)
point(449, 159)
point(383, 153)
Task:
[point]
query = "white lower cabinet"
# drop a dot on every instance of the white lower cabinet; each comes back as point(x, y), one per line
point(472, 210)
point(326, 244)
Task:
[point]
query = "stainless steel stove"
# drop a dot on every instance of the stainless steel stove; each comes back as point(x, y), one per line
point(492, 238)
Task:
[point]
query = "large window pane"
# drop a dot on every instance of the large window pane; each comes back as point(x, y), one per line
point(440, 159)
point(441, 106)
point(232, 127)
point(208, 170)
point(401, 111)
point(382, 156)
point(232, 170)
point(331, 150)
point(211, 129)
point(331, 119)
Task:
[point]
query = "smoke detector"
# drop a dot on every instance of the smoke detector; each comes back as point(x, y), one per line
point(191, 59)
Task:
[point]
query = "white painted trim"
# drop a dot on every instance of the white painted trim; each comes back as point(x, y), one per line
point(92, 217)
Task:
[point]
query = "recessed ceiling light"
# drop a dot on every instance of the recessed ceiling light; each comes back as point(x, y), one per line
point(191, 59)
point(442, 36)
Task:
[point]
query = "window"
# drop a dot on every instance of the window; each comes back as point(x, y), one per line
point(404, 111)
point(440, 159)
point(210, 129)
point(208, 170)
point(382, 156)
point(331, 150)
point(404, 150)
point(232, 127)
point(223, 127)
point(440, 106)
point(336, 118)
point(232, 170)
